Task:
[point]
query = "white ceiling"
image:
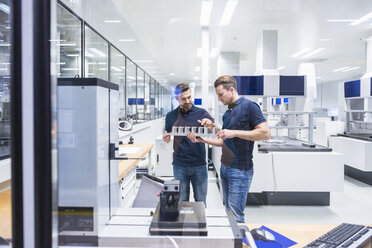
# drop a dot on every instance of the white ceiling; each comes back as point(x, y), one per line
point(168, 33)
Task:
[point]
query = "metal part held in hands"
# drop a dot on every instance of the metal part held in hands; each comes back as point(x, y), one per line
point(200, 131)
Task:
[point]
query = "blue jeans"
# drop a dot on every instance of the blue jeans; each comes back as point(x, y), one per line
point(235, 187)
point(198, 176)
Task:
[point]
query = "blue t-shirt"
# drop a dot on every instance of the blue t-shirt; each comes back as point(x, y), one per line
point(243, 114)
point(186, 153)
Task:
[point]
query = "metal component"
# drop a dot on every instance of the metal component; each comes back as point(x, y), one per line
point(200, 131)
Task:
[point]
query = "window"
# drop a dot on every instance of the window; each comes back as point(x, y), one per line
point(117, 75)
point(96, 55)
point(131, 89)
point(140, 95)
point(68, 44)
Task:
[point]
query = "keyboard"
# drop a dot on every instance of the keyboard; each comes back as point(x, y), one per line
point(344, 235)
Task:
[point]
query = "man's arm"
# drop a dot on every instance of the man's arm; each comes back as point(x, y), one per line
point(211, 141)
point(260, 132)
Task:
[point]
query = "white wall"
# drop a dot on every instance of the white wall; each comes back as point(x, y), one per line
point(331, 95)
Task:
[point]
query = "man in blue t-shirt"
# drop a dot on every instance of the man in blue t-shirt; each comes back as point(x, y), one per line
point(189, 163)
point(243, 123)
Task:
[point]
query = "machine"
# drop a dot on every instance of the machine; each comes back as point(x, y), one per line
point(356, 142)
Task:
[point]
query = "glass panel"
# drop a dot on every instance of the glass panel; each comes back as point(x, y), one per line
point(68, 48)
point(152, 98)
point(117, 63)
point(131, 89)
point(5, 190)
point(140, 94)
point(147, 97)
point(166, 101)
point(157, 100)
point(96, 55)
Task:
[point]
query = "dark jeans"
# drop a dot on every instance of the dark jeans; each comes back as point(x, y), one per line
point(235, 187)
point(198, 176)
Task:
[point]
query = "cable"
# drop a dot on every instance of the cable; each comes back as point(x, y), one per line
point(274, 176)
point(172, 241)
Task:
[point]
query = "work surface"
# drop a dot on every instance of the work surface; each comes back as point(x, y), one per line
point(285, 144)
point(127, 165)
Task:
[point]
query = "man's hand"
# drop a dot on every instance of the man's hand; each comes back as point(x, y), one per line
point(226, 134)
point(193, 138)
point(206, 122)
point(166, 137)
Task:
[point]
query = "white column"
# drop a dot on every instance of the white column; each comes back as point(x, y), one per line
point(267, 53)
point(205, 68)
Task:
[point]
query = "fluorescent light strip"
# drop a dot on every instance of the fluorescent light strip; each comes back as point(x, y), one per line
point(362, 19)
point(127, 40)
point(70, 69)
point(341, 20)
point(324, 39)
point(351, 69)
point(300, 52)
point(5, 8)
point(4, 45)
point(66, 44)
point(206, 10)
point(115, 68)
point(228, 12)
point(61, 63)
point(112, 21)
point(98, 52)
point(341, 68)
point(314, 52)
point(72, 55)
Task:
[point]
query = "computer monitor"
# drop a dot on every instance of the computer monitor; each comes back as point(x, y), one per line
point(332, 112)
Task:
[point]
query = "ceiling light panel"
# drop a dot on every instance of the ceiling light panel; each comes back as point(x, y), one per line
point(206, 10)
point(314, 52)
point(362, 19)
point(228, 12)
point(300, 52)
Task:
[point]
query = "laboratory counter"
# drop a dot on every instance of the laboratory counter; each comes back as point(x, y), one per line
point(361, 136)
point(126, 165)
point(285, 144)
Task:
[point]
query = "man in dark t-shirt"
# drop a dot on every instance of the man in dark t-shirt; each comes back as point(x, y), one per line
point(243, 123)
point(189, 163)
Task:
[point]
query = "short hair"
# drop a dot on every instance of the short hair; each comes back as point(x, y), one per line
point(180, 88)
point(226, 81)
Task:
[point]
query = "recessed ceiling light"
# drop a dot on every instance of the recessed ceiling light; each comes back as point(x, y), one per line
point(127, 40)
point(362, 19)
point(98, 52)
point(280, 68)
point(314, 52)
point(206, 10)
point(341, 20)
point(173, 20)
point(351, 69)
point(324, 39)
point(317, 77)
point(112, 21)
point(196, 77)
point(341, 68)
point(228, 12)
point(172, 74)
point(144, 61)
point(300, 52)
point(197, 68)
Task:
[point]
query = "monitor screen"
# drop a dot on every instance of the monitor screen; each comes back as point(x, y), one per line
point(332, 112)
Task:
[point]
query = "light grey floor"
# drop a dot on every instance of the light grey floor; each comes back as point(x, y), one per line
point(353, 205)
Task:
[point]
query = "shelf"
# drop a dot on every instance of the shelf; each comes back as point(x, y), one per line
point(289, 127)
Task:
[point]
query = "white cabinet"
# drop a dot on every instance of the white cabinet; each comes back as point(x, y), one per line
point(128, 189)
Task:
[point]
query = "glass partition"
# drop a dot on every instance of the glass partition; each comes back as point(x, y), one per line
point(117, 75)
point(157, 100)
point(131, 93)
point(147, 97)
point(68, 44)
point(5, 101)
point(96, 55)
point(166, 101)
point(152, 98)
point(140, 95)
